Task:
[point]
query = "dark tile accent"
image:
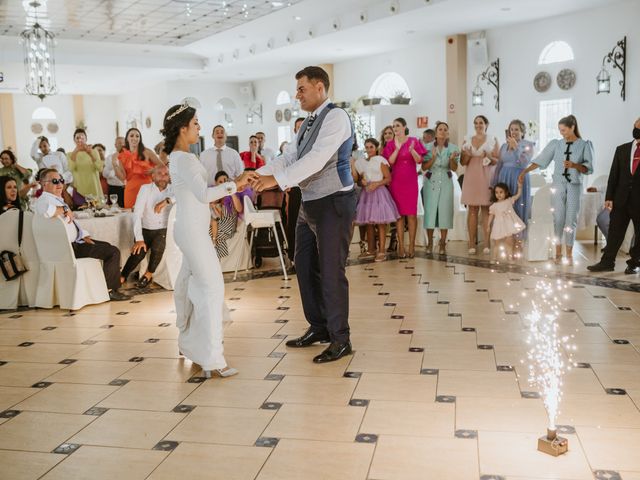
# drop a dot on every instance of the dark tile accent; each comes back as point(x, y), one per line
point(9, 413)
point(389, 304)
point(566, 429)
point(481, 290)
point(529, 394)
point(615, 391)
point(358, 402)
point(504, 368)
point(495, 300)
point(66, 448)
point(276, 354)
point(429, 371)
point(122, 313)
point(49, 328)
point(416, 274)
point(433, 291)
point(352, 374)
point(568, 310)
point(238, 289)
point(378, 284)
point(485, 347)
point(25, 344)
point(164, 324)
point(285, 288)
point(166, 445)
point(89, 342)
point(469, 281)
point(267, 442)
point(3, 363)
point(591, 324)
point(136, 359)
point(595, 296)
point(606, 475)
point(373, 276)
point(135, 301)
point(582, 365)
point(16, 316)
point(96, 411)
point(281, 321)
point(409, 268)
point(492, 477)
point(368, 269)
point(68, 361)
point(118, 382)
point(106, 326)
point(443, 302)
point(466, 434)
point(446, 399)
point(183, 408)
point(620, 341)
point(511, 312)
point(282, 308)
point(274, 376)
point(397, 317)
point(235, 298)
point(468, 329)
point(284, 296)
point(405, 332)
point(624, 308)
point(197, 379)
point(366, 438)
point(270, 406)
point(416, 349)
point(152, 340)
point(454, 314)
point(383, 293)
point(278, 336)
point(69, 314)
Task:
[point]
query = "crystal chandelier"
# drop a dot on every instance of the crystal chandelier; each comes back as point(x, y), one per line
point(39, 63)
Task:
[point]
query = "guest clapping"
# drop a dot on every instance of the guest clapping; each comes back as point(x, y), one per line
point(85, 165)
point(46, 158)
point(136, 162)
point(251, 158)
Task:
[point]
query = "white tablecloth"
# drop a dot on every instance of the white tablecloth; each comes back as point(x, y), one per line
point(116, 230)
point(592, 204)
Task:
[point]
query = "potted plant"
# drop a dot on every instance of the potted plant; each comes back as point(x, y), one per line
point(366, 101)
point(400, 98)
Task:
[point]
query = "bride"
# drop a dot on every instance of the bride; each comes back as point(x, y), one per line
point(199, 289)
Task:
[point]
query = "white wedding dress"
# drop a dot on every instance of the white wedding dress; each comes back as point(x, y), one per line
point(199, 289)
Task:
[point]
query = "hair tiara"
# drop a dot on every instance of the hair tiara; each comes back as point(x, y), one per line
point(182, 108)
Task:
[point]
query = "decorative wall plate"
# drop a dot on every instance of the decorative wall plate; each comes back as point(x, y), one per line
point(566, 79)
point(542, 82)
point(52, 127)
point(287, 114)
point(147, 122)
point(36, 128)
point(278, 115)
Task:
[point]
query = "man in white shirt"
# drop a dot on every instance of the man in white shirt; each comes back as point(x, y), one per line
point(221, 157)
point(151, 212)
point(267, 153)
point(46, 158)
point(50, 205)
point(116, 186)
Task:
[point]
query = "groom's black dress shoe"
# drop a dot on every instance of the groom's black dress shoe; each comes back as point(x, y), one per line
point(600, 267)
point(308, 339)
point(334, 352)
point(630, 270)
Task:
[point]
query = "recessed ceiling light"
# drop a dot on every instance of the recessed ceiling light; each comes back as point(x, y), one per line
point(277, 4)
point(297, 18)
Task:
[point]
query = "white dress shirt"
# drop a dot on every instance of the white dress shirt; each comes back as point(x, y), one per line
point(634, 146)
point(231, 163)
point(53, 159)
point(109, 173)
point(46, 206)
point(145, 217)
point(268, 154)
point(290, 171)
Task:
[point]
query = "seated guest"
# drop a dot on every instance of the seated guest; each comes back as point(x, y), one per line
point(8, 194)
point(11, 168)
point(252, 159)
point(151, 214)
point(221, 157)
point(46, 158)
point(115, 185)
point(50, 204)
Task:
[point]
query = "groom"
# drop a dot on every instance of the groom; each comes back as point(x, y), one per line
point(320, 166)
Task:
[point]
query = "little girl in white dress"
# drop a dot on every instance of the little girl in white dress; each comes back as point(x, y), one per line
point(506, 222)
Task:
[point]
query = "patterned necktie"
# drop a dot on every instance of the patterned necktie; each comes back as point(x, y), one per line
point(312, 119)
point(219, 159)
point(636, 158)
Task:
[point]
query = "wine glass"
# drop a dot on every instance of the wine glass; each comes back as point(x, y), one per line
point(113, 197)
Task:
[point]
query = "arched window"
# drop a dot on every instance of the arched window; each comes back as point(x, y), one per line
point(43, 113)
point(555, 52)
point(389, 85)
point(283, 98)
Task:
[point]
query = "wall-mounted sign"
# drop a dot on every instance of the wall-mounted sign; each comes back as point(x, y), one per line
point(452, 108)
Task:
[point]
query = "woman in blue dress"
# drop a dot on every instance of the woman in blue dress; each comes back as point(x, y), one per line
point(573, 158)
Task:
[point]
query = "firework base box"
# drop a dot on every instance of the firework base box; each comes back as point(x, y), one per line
point(552, 444)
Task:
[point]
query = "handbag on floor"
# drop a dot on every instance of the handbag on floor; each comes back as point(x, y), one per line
point(11, 263)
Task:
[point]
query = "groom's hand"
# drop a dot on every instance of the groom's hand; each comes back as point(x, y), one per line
point(263, 182)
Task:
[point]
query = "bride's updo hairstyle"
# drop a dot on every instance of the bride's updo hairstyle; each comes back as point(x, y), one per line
point(176, 117)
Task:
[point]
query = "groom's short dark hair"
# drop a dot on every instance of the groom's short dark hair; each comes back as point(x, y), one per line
point(315, 73)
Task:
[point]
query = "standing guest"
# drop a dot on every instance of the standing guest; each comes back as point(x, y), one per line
point(50, 204)
point(151, 215)
point(85, 165)
point(515, 155)
point(320, 166)
point(103, 181)
point(297, 124)
point(136, 162)
point(428, 136)
point(265, 152)
point(283, 145)
point(386, 135)
point(9, 194)
point(623, 199)
point(10, 168)
point(437, 191)
point(115, 185)
point(221, 157)
point(479, 156)
point(46, 158)
point(251, 159)
point(573, 158)
point(162, 155)
point(404, 154)
point(199, 289)
point(506, 223)
point(376, 209)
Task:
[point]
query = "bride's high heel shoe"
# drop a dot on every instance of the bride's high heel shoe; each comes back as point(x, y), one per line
point(221, 372)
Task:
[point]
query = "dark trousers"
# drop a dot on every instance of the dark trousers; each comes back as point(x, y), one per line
point(106, 252)
point(156, 241)
point(291, 217)
point(618, 224)
point(115, 190)
point(322, 246)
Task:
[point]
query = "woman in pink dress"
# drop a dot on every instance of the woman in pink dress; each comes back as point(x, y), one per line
point(479, 156)
point(404, 154)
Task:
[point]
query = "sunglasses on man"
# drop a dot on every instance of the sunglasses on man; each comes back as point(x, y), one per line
point(56, 181)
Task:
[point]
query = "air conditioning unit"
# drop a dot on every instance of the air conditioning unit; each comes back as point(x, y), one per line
point(247, 92)
point(477, 50)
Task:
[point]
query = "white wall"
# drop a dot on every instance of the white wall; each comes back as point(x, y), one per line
point(604, 119)
point(99, 117)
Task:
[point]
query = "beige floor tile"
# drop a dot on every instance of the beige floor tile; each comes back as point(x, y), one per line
point(574, 381)
point(409, 418)
point(112, 351)
point(139, 395)
point(516, 454)
point(244, 314)
point(478, 384)
point(128, 429)
point(300, 363)
point(252, 367)
point(316, 422)
point(220, 425)
point(413, 458)
point(386, 362)
point(250, 347)
point(120, 333)
point(232, 392)
point(16, 465)
point(68, 335)
point(162, 370)
point(314, 390)
point(93, 372)
point(607, 411)
point(252, 330)
point(40, 352)
point(445, 340)
point(66, 398)
point(12, 338)
point(398, 387)
point(298, 459)
point(500, 414)
point(10, 396)
point(616, 376)
point(40, 432)
point(229, 462)
point(468, 359)
point(103, 463)
point(630, 475)
point(380, 343)
point(26, 374)
point(162, 349)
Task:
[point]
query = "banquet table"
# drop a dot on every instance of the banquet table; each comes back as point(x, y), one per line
point(592, 204)
point(116, 230)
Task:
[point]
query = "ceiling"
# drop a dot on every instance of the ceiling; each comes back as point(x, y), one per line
point(266, 45)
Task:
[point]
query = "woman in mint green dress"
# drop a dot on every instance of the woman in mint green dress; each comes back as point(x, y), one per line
point(437, 192)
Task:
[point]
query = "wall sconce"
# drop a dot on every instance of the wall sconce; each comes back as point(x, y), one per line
point(492, 76)
point(229, 119)
point(254, 110)
point(618, 57)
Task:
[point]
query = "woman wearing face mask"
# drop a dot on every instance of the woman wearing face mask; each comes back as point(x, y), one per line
point(136, 162)
point(573, 158)
point(85, 165)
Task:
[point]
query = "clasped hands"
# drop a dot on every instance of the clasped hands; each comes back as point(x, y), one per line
point(256, 181)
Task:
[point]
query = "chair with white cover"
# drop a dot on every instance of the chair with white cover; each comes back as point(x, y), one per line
point(65, 280)
point(22, 290)
point(536, 180)
point(169, 267)
point(600, 183)
point(540, 227)
point(263, 219)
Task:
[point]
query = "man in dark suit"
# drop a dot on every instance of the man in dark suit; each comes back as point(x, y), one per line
point(623, 199)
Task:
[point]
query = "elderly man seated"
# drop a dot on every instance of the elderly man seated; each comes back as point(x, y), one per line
point(150, 225)
point(50, 205)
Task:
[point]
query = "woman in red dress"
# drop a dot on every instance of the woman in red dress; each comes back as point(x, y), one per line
point(252, 159)
point(136, 162)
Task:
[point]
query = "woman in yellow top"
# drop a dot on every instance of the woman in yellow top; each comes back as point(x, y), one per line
point(85, 165)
